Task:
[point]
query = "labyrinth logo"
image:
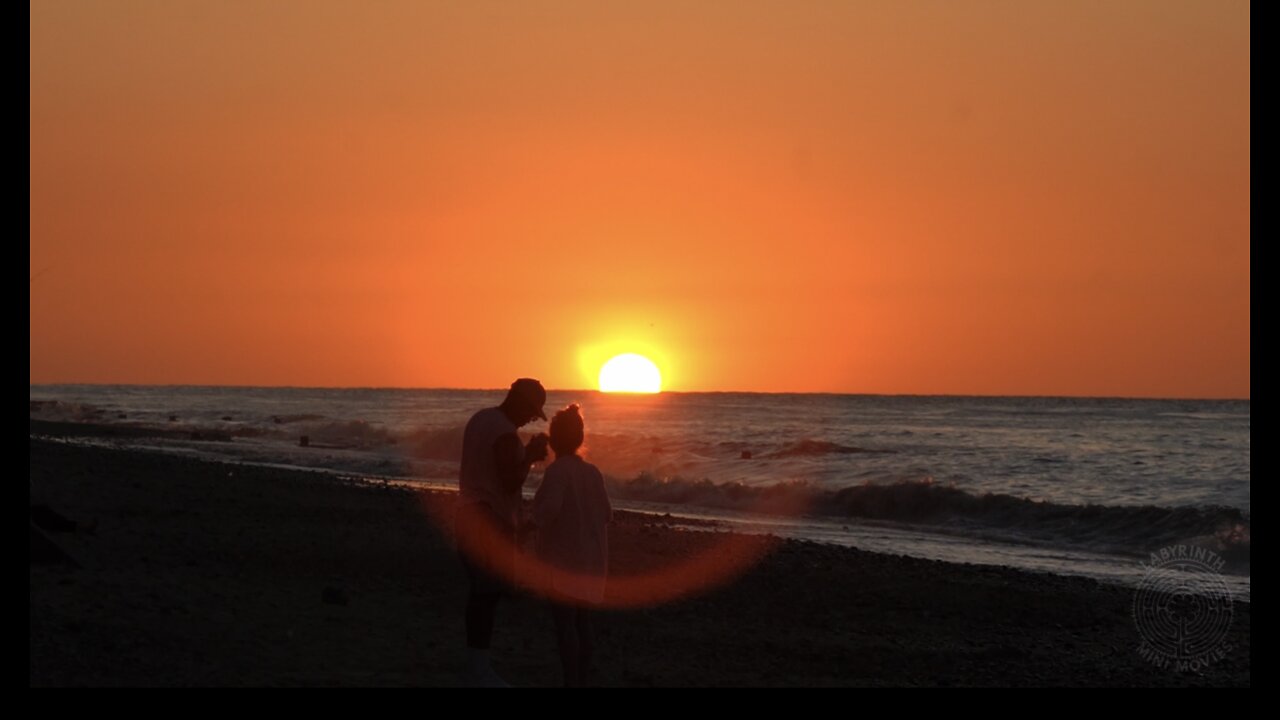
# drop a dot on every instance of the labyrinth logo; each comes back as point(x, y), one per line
point(1183, 608)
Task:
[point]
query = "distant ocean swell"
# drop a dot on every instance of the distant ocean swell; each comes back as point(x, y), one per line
point(423, 443)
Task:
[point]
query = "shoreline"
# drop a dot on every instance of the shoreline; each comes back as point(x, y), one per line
point(205, 573)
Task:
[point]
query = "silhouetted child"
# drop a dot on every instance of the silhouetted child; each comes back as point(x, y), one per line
point(572, 513)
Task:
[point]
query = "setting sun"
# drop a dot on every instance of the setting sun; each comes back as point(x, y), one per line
point(630, 373)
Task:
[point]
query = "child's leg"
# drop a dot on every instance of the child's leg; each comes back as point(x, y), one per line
point(567, 638)
point(586, 645)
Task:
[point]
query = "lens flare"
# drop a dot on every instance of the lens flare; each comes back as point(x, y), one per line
point(693, 564)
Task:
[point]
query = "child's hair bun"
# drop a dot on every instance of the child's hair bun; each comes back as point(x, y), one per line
point(567, 430)
point(571, 414)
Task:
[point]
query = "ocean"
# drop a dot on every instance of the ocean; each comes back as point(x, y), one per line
point(1097, 487)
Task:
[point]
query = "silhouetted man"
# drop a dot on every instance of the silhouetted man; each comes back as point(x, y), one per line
point(494, 469)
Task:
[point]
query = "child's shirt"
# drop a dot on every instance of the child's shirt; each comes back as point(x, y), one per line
point(572, 512)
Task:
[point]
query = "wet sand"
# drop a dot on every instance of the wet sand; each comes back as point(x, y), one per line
point(198, 573)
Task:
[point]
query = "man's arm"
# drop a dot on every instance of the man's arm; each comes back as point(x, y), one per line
point(513, 460)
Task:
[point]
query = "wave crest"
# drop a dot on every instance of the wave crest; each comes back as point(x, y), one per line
point(1125, 530)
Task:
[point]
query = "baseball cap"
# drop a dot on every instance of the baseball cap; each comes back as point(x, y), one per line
point(531, 393)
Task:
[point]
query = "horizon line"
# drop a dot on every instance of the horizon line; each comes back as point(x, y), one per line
point(673, 392)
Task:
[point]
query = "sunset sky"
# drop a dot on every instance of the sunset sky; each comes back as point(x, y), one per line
point(1031, 198)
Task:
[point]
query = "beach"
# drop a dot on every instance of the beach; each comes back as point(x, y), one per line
point(198, 573)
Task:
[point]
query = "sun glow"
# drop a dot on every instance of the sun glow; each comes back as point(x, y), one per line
point(630, 372)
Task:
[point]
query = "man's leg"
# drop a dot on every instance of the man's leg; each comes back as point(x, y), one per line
point(481, 609)
point(479, 533)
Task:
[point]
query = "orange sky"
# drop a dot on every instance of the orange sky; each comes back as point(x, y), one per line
point(899, 197)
